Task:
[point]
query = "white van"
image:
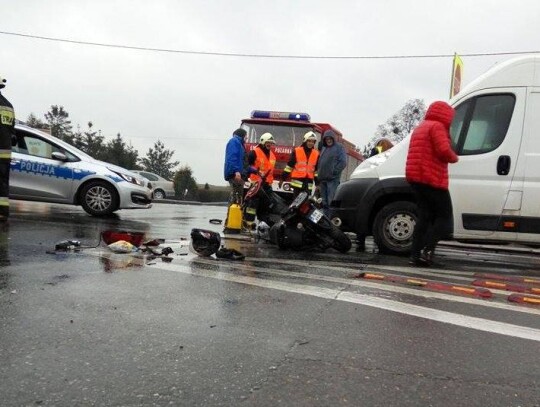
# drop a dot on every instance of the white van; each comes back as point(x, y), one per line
point(495, 186)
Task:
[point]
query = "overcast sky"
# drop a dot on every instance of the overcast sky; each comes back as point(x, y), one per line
point(193, 102)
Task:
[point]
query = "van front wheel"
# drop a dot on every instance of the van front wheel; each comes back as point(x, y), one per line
point(394, 226)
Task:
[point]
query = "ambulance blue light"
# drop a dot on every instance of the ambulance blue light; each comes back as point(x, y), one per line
point(265, 114)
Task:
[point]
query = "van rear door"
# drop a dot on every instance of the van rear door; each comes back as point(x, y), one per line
point(486, 133)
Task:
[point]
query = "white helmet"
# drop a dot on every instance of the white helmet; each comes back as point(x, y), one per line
point(267, 138)
point(310, 136)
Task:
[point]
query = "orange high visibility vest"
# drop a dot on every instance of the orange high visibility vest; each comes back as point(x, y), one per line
point(265, 165)
point(304, 168)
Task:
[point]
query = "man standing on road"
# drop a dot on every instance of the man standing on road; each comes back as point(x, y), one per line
point(7, 138)
point(302, 165)
point(234, 164)
point(332, 162)
point(233, 170)
point(430, 152)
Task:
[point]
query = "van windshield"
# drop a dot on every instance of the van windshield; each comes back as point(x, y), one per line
point(284, 135)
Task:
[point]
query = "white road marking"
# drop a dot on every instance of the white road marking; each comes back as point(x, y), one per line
point(383, 287)
point(345, 281)
point(348, 267)
point(339, 294)
point(479, 324)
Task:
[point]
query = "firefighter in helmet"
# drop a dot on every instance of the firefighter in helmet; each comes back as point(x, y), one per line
point(302, 165)
point(7, 139)
point(261, 161)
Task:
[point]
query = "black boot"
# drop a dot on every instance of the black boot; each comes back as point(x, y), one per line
point(360, 243)
point(428, 256)
point(417, 260)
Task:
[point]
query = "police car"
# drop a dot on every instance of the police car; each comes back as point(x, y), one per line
point(46, 169)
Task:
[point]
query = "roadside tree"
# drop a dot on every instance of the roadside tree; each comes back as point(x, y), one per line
point(185, 186)
point(158, 160)
point(92, 143)
point(58, 121)
point(399, 125)
point(119, 153)
point(36, 123)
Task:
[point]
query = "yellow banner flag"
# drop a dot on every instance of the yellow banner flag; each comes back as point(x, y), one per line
point(457, 74)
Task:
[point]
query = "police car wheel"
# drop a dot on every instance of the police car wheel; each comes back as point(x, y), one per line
point(99, 198)
point(159, 194)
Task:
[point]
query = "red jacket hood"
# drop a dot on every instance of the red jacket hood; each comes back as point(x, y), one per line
point(441, 112)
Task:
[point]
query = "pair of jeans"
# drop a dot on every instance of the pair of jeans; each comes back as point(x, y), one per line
point(237, 191)
point(327, 190)
point(435, 221)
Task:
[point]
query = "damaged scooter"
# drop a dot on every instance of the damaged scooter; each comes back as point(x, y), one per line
point(304, 226)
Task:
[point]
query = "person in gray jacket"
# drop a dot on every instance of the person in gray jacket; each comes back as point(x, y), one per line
point(332, 162)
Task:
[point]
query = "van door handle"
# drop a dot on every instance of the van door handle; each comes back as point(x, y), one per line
point(503, 165)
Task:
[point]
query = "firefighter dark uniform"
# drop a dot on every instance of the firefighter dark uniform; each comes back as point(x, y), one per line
point(302, 166)
point(7, 134)
point(261, 162)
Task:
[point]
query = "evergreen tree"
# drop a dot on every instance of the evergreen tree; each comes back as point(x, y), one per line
point(36, 123)
point(158, 160)
point(57, 120)
point(185, 185)
point(76, 139)
point(93, 143)
point(118, 153)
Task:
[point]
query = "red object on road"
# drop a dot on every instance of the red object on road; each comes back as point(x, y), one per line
point(524, 299)
point(518, 288)
point(452, 288)
point(514, 279)
point(461, 289)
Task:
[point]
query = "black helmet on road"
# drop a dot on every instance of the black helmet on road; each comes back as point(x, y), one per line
point(204, 242)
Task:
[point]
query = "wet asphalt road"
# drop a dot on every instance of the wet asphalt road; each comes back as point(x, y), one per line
point(279, 328)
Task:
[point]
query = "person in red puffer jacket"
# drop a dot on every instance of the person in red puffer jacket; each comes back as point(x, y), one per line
point(430, 152)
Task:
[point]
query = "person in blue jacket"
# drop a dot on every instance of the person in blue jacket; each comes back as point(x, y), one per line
point(332, 162)
point(234, 165)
